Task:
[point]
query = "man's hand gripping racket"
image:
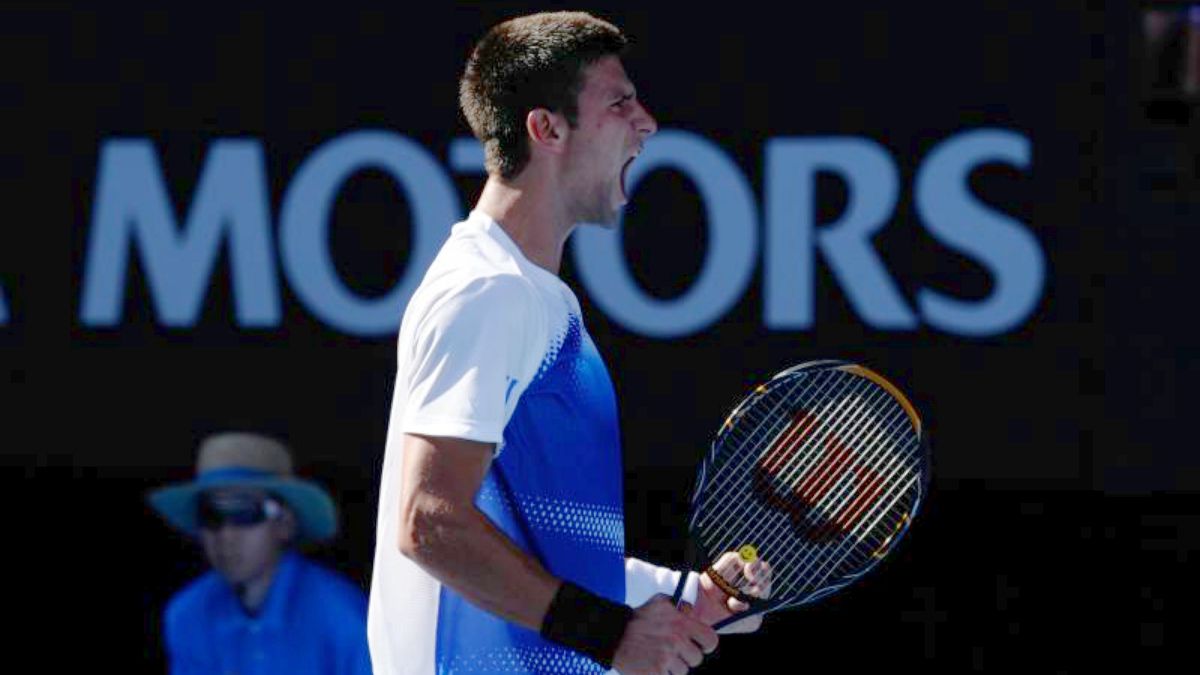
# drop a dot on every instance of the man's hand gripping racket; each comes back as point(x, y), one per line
point(810, 482)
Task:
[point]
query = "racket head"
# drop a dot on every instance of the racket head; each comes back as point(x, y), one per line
point(820, 471)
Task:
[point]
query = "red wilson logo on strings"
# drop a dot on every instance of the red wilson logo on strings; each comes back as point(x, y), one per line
point(816, 496)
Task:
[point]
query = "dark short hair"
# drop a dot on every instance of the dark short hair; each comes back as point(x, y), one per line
point(530, 62)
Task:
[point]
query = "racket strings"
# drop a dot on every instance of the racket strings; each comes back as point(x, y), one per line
point(819, 560)
point(787, 446)
point(819, 568)
point(729, 509)
point(820, 564)
point(749, 409)
point(792, 438)
point(850, 557)
point(786, 499)
point(817, 482)
point(828, 480)
point(779, 411)
point(872, 463)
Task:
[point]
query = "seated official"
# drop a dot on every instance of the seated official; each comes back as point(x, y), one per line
point(263, 608)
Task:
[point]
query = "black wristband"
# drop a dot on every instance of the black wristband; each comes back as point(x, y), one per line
point(586, 622)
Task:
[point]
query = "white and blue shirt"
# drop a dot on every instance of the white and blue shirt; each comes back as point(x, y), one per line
point(492, 348)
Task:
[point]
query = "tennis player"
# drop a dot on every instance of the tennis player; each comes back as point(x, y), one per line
point(500, 541)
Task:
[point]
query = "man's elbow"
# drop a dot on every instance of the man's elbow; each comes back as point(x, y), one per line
point(426, 525)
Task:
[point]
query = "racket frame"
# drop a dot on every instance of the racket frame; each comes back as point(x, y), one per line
point(758, 605)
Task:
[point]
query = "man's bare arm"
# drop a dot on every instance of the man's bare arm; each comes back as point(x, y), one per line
point(443, 532)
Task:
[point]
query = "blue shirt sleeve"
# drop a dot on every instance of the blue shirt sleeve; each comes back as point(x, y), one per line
point(357, 659)
point(352, 656)
point(180, 659)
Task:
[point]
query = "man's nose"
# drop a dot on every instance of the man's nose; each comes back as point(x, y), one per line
point(646, 125)
point(227, 532)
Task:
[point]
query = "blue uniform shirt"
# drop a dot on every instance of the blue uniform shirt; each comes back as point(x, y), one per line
point(312, 621)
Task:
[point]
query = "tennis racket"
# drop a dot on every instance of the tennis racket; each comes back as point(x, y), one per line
point(819, 473)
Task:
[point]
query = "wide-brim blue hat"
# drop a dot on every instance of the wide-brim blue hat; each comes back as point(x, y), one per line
point(250, 461)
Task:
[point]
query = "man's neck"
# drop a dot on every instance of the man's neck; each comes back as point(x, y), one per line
point(253, 593)
point(531, 215)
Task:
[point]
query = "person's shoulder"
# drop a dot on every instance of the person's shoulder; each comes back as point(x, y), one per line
point(479, 291)
point(194, 601)
point(471, 251)
point(333, 605)
point(475, 287)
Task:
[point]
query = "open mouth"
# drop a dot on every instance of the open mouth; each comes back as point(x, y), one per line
point(625, 178)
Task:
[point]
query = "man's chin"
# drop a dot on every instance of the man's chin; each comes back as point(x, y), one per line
point(607, 221)
point(611, 223)
point(613, 218)
point(234, 574)
point(604, 213)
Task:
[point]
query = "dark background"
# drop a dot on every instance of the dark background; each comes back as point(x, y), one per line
point(1064, 511)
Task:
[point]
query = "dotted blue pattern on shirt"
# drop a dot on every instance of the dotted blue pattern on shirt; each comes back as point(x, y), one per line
point(556, 491)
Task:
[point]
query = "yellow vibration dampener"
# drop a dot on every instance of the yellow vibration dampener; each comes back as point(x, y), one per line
point(748, 553)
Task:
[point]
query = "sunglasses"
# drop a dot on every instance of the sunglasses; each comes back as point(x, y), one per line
point(214, 513)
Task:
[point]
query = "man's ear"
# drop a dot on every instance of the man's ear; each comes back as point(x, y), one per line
point(286, 526)
point(546, 129)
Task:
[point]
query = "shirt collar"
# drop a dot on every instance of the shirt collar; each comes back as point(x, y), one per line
point(274, 611)
point(493, 228)
point(275, 608)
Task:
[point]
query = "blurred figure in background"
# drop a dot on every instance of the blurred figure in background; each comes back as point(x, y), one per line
point(1191, 80)
point(263, 608)
point(1172, 50)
